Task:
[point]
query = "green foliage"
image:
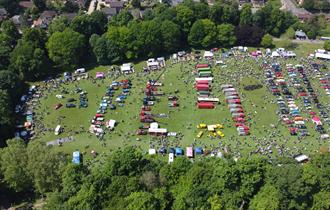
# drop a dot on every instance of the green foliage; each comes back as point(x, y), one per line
point(290, 33)
point(66, 48)
point(13, 165)
point(89, 24)
point(246, 15)
point(59, 24)
point(6, 112)
point(171, 35)
point(121, 19)
point(326, 45)
point(267, 41)
point(202, 34)
point(12, 6)
point(40, 4)
point(184, 17)
point(226, 35)
point(321, 200)
point(45, 167)
point(268, 198)
point(141, 200)
point(105, 51)
point(28, 61)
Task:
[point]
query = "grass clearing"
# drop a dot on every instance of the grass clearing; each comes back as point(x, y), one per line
point(258, 104)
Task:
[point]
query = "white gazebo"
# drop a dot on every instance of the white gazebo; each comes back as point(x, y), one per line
point(127, 68)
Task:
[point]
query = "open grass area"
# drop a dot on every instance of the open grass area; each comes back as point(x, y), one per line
point(259, 106)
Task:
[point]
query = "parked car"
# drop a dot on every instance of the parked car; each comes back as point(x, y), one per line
point(57, 106)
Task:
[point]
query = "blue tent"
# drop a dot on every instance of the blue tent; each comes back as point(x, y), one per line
point(171, 150)
point(76, 157)
point(178, 151)
point(198, 150)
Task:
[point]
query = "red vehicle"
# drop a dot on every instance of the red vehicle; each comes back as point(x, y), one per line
point(202, 82)
point(99, 115)
point(57, 106)
point(234, 101)
point(202, 87)
point(302, 94)
point(205, 105)
point(239, 119)
point(202, 65)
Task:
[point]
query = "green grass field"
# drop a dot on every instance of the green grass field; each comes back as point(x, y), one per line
point(258, 104)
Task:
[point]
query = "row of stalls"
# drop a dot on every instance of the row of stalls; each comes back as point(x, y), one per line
point(190, 152)
point(203, 86)
point(109, 101)
point(236, 109)
point(147, 118)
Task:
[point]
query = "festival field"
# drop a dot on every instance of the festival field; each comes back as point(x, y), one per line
point(260, 106)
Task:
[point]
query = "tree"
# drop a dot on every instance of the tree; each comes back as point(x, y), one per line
point(121, 19)
point(40, 4)
point(226, 35)
point(59, 24)
point(215, 202)
point(267, 198)
point(267, 41)
point(147, 38)
point(136, 3)
point(8, 28)
point(202, 34)
point(216, 13)
point(12, 6)
point(66, 48)
point(201, 10)
point(246, 15)
point(72, 179)
point(249, 35)
point(326, 45)
point(9, 81)
point(321, 200)
point(171, 35)
point(184, 17)
point(13, 161)
point(141, 200)
point(45, 167)
point(105, 50)
point(28, 61)
point(290, 33)
point(6, 120)
point(6, 48)
point(36, 36)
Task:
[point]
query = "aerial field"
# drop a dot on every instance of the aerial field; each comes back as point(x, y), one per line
point(260, 108)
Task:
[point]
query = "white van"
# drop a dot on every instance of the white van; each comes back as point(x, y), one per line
point(80, 71)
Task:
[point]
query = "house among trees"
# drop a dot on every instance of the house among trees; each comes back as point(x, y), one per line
point(26, 4)
point(3, 14)
point(45, 19)
point(109, 12)
point(299, 34)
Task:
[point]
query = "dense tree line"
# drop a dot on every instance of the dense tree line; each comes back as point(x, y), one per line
point(316, 5)
point(126, 179)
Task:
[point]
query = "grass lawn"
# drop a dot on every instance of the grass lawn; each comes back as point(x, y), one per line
point(258, 104)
